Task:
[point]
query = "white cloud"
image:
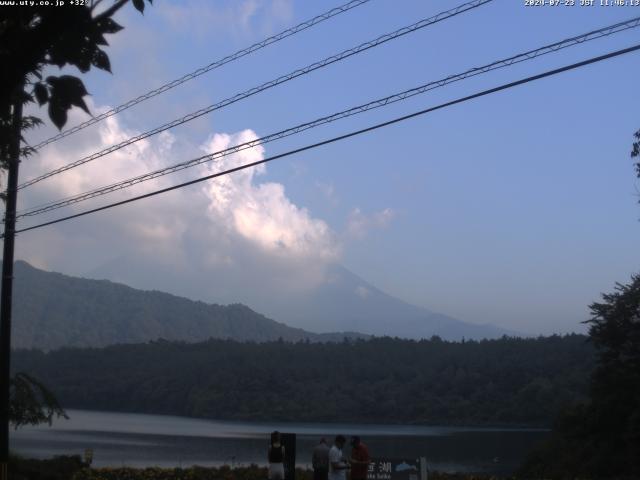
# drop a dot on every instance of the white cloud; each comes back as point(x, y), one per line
point(234, 222)
point(261, 212)
point(362, 292)
point(359, 224)
point(246, 11)
point(239, 18)
point(329, 192)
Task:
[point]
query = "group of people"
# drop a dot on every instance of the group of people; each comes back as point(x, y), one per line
point(329, 463)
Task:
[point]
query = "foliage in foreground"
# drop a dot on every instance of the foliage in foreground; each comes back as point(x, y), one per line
point(223, 473)
point(57, 468)
point(601, 438)
point(252, 472)
point(72, 468)
point(31, 402)
point(35, 38)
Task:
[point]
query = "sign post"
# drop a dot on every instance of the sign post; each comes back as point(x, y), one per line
point(397, 469)
point(424, 475)
point(289, 443)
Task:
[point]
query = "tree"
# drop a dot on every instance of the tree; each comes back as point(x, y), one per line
point(32, 403)
point(33, 38)
point(601, 439)
point(615, 393)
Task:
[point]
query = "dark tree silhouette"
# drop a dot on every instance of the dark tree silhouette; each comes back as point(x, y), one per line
point(601, 438)
point(32, 39)
point(615, 392)
point(31, 402)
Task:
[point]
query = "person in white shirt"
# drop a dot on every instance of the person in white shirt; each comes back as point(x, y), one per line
point(337, 465)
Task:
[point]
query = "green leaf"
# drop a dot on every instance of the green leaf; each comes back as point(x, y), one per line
point(41, 92)
point(99, 39)
point(26, 98)
point(57, 114)
point(31, 403)
point(29, 122)
point(101, 60)
point(66, 91)
point(67, 85)
point(139, 5)
point(84, 58)
point(79, 102)
point(108, 25)
point(27, 151)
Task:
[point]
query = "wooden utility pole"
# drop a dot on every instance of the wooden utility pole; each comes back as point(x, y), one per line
point(7, 280)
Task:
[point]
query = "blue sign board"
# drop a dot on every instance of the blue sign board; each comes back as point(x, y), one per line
point(394, 469)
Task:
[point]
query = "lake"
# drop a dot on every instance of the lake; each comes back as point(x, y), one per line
point(157, 440)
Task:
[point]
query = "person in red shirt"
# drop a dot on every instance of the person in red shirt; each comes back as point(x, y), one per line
point(360, 459)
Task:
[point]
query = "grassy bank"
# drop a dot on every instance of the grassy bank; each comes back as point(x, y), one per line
point(193, 473)
point(72, 468)
point(223, 473)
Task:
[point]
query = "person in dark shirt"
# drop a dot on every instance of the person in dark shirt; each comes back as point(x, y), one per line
point(320, 460)
point(276, 457)
point(360, 459)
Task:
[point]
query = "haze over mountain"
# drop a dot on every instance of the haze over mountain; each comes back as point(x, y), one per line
point(334, 299)
point(52, 310)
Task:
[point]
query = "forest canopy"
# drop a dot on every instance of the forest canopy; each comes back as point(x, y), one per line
point(508, 381)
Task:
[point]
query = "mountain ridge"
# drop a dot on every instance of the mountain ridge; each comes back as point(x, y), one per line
point(348, 300)
point(53, 310)
point(337, 299)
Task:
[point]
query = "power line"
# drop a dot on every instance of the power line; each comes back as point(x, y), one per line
point(207, 68)
point(529, 55)
point(267, 85)
point(345, 136)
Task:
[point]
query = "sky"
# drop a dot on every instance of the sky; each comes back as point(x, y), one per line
point(517, 209)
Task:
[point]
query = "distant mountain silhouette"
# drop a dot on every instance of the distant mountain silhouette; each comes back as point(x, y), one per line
point(346, 301)
point(342, 301)
point(51, 310)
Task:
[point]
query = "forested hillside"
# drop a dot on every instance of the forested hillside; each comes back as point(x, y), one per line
point(501, 382)
point(52, 310)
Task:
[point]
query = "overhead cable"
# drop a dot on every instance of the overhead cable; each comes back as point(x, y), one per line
point(341, 137)
point(207, 68)
point(521, 57)
point(265, 86)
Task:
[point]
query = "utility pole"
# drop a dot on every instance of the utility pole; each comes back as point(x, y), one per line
point(7, 280)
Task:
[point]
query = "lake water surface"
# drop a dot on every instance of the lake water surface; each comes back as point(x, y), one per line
point(157, 440)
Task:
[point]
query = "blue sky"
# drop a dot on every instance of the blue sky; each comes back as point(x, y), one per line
point(516, 209)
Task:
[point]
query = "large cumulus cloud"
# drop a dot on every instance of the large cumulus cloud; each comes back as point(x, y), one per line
point(234, 226)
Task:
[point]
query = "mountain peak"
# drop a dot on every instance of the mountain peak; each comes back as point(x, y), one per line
point(346, 301)
point(340, 301)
